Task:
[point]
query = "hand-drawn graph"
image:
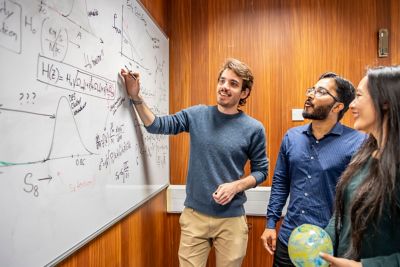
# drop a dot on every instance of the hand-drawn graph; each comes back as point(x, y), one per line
point(64, 121)
point(73, 153)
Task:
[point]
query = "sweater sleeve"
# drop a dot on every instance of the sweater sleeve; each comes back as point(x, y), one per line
point(330, 229)
point(170, 124)
point(258, 157)
point(382, 261)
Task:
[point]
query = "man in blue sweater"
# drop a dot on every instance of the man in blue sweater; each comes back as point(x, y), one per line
point(311, 159)
point(222, 139)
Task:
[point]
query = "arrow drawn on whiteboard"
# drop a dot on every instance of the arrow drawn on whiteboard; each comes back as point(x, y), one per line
point(75, 44)
point(51, 116)
point(46, 178)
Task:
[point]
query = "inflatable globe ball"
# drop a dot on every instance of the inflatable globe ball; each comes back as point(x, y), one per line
point(306, 242)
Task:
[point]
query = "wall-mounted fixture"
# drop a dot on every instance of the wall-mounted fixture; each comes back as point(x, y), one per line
point(383, 43)
point(297, 114)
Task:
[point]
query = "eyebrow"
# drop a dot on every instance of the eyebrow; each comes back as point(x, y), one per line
point(222, 77)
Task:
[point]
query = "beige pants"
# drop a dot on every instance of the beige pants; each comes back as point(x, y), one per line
point(199, 232)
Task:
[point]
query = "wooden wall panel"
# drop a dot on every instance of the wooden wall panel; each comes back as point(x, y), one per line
point(179, 20)
point(288, 44)
point(143, 235)
point(158, 9)
point(395, 34)
point(137, 240)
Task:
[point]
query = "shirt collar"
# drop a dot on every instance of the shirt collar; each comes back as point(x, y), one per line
point(336, 130)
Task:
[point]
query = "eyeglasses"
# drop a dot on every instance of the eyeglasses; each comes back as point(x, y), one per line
point(320, 91)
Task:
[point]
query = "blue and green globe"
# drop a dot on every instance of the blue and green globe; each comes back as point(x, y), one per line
point(305, 244)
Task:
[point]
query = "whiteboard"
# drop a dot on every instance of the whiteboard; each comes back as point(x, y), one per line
point(74, 157)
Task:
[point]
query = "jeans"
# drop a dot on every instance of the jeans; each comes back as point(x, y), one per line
point(281, 255)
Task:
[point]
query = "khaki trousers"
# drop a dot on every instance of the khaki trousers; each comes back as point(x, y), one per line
point(199, 232)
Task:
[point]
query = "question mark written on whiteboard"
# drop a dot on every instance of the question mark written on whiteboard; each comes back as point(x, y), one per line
point(27, 97)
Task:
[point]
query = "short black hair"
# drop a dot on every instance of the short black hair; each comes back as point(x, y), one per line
point(344, 89)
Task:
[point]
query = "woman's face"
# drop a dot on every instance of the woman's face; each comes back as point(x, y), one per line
point(363, 109)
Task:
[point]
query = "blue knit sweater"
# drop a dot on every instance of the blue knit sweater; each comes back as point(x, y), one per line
point(220, 146)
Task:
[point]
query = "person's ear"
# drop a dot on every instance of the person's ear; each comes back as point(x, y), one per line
point(244, 93)
point(339, 106)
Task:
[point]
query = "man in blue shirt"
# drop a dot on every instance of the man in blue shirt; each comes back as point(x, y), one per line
point(222, 140)
point(310, 162)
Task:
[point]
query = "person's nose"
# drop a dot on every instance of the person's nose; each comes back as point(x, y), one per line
point(352, 104)
point(225, 85)
point(310, 95)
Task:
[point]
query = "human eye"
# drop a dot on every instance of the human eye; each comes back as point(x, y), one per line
point(234, 84)
point(221, 81)
point(321, 91)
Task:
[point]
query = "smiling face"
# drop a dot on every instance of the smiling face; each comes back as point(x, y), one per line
point(229, 92)
point(318, 107)
point(363, 109)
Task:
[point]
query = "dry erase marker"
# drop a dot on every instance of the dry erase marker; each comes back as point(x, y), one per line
point(130, 73)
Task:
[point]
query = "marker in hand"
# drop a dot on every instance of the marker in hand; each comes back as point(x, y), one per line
point(130, 73)
point(217, 195)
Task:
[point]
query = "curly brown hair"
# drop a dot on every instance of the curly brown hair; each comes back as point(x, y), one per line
point(241, 70)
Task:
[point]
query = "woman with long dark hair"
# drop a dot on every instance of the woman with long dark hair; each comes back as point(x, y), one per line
point(365, 228)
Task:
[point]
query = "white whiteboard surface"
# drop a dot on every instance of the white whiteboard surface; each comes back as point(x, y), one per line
point(74, 157)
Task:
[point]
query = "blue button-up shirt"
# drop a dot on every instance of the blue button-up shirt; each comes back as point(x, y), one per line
point(309, 169)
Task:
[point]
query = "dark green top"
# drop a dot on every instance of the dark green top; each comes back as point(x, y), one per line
point(381, 244)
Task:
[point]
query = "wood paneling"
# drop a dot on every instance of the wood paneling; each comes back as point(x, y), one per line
point(158, 9)
point(137, 240)
point(395, 34)
point(143, 235)
point(288, 44)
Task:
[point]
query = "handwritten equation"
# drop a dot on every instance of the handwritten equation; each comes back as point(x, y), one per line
point(68, 77)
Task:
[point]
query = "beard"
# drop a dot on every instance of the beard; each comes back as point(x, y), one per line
point(319, 113)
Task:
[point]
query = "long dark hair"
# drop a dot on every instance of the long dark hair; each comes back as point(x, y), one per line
point(379, 186)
